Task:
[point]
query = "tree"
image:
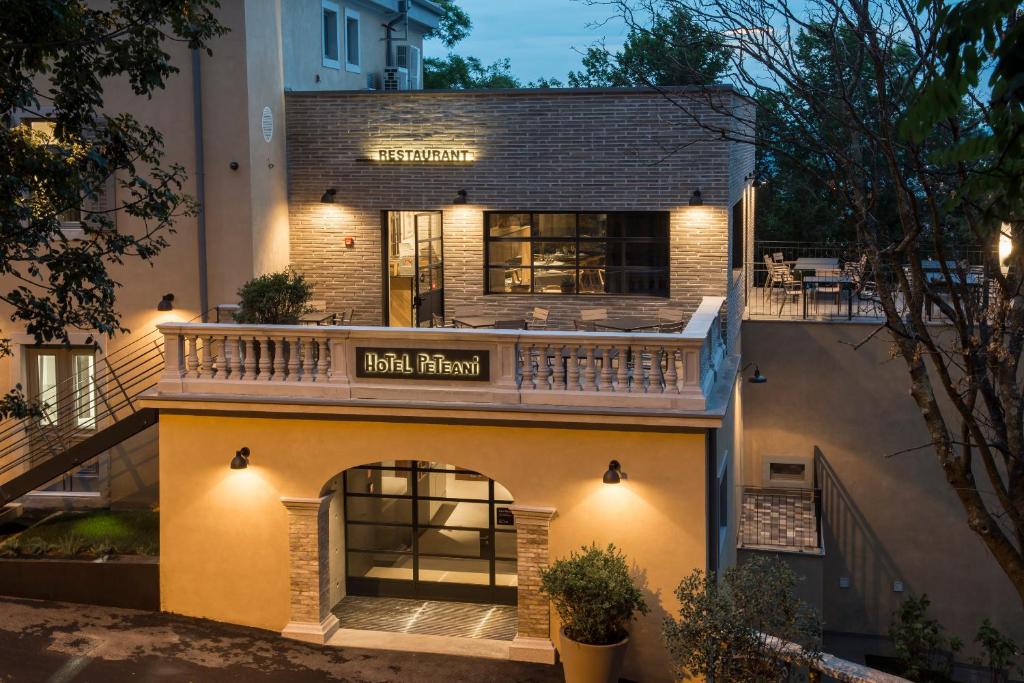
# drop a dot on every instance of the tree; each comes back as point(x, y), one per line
point(456, 72)
point(920, 154)
point(57, 54)
point(672, 50)
point(453, 26)
point(748, 627)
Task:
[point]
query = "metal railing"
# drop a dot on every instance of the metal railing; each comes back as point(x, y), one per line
point(787, 519)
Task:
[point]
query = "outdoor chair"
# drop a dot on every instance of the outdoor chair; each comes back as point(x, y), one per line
point(592, 314)
point(539, 319)
point(769, 282)
point(833, 290)
point(788, 283)
point(670, 314)
point(439, 321)
point(671, 328)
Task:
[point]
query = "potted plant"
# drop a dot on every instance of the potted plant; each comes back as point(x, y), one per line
point(568, 284)
point(595, 598)
point(274, 299)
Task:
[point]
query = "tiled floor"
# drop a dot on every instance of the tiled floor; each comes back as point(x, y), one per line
point(427, 617)
point(779, 518)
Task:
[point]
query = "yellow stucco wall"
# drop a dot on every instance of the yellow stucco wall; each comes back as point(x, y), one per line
point(224, 546)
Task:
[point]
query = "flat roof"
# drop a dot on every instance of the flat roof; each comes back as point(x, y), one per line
point(562, 92)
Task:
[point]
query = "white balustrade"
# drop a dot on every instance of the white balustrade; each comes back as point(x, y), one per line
point(661, 372)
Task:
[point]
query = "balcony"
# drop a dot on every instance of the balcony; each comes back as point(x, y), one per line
point(570, 371)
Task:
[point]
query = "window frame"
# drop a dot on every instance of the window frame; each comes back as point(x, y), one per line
point(577, 241)
point(325, 60)
point(353, 67)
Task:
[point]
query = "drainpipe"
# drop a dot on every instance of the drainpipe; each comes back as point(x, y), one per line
point(389, 58)
point(711, 514)
point(200, 173)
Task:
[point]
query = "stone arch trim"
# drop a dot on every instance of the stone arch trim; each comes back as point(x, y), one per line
point(533, 633)
point(310, 617)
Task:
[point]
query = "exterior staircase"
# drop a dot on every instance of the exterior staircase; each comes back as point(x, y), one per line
point(34, 452)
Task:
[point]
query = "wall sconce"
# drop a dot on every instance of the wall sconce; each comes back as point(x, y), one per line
point(757, 377)
point(166, 303)
point(460, 197)
point(696, 199)
point(1005, 247)
point(328, 196)
point(241, 459)
point(614, 474)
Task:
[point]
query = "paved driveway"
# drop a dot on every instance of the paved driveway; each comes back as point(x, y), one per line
point(49, 642)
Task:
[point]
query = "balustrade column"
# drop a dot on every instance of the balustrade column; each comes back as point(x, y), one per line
point(573, 374)
point(235, 357)
point(250, 358)
point(265, 359)
point(590, 371)
point(526, 368)
point(623, 374)
point(192, 359)
point(308, 371)
point(606, 368)
point(559, 370)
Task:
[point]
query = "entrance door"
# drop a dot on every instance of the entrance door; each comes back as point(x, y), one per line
point(418, 529)
point(415, 267)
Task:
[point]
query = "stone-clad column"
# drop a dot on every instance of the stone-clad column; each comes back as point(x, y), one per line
point(309, 573)
point(533, 636)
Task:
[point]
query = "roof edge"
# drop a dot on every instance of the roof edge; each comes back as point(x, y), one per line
point(680, 89)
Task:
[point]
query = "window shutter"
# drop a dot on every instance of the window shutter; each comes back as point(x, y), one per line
point(414, 68)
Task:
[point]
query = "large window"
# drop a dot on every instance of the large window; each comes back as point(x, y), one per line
point(577, 253)
point(329, 34)
point(352, 47)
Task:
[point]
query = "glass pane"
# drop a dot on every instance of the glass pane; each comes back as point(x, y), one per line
point(554, 280)
point(593, 224)
point(46, 376)
point(447, 513)
point(389, 510)
point(505, 573)
point(555, 225)
point(653, 282)
point(379, 482)
point(592, 281)
point(505, 544)
point(330, 34)
point(509, 225)
point(652, 254)
point(554, 254)
point(453, 484)
point(638, 225)
point(352, 40)
point(450, 542)
point(501, 493)
point(84, 389)
point(366, 537)
point(509, 254)
point(380, 566)
point(508, 280)
point(592, 254)
point(452, 570)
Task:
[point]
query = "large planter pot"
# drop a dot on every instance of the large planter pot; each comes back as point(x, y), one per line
point(591, 663)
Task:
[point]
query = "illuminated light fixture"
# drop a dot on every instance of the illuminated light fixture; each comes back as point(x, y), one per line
point(1005, 247)
point(614, 474)
point(461, 197)
point(241, 459)
point(696, 199)
point(756, 182)
point(166, 303)
point(328, 196)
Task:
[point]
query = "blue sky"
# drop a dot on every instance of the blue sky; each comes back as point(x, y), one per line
point(539, 36)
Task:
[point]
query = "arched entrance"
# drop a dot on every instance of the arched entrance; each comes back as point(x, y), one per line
point(428, 530)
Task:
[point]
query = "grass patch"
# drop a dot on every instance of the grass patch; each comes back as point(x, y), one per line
point(92, 533)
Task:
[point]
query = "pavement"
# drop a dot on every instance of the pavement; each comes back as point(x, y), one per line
point(53, 642)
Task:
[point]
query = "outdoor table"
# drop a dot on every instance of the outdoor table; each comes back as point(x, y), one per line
point(816, 264)
point(628, 324)
point(842, 281)
point(935, 277)
point(476, 321)
point(317, 318)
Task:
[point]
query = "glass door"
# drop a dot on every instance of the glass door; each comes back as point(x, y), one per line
point(429, 299)
point(419, 529)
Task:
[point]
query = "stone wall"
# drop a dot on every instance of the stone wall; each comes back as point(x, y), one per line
point(541, 150)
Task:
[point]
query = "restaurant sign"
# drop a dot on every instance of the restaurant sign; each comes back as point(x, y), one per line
point(432, 364)
point(424, 155)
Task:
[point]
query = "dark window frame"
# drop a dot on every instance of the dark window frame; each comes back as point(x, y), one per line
point(665, 241)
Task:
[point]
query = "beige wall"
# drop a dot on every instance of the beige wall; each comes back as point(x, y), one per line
point(887, 517)
point(224, 534)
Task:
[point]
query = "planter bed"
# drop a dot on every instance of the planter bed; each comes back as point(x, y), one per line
point(124, 581)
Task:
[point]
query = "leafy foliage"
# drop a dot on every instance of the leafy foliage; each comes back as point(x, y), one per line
point(1001, 653)
point(456, 72)
point(918, 640)
point(81, 160)
point(672, 50)
point(742, 628)
point(594, 595)
point(454, 25)
point(274, 299)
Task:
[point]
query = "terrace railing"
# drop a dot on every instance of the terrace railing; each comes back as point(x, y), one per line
point(667, 372)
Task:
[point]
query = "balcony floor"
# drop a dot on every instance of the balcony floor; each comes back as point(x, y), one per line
point(427, 617)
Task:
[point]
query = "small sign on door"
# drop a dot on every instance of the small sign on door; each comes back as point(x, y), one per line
point(505, 517)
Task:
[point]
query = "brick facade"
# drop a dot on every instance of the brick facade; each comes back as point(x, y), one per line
point(540, 150)
point(533, 608)
point(309, 569)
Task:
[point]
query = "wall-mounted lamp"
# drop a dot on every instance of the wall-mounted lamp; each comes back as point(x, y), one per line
point(460, 197)
point(756, 182)
point(696, 199)
point(166, 303)
point(614, 474)
point(328, 196)
point(241, 459)
point(1005, 247)
point(757, 377)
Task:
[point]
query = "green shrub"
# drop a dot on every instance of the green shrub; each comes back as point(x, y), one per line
point(69, 545)
point(274, 299)
point(594, 595)
point(35, 546)
point(1001, 653)
point(11, 548)
point(740, 629)
point(918, 640)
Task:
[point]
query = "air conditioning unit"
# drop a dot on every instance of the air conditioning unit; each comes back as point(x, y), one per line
point(395, 78)
point(371, 81)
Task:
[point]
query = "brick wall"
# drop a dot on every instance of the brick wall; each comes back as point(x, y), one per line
point(572, 150)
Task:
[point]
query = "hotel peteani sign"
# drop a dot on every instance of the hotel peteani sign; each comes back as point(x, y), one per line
point(400, 155)
point(419, 364)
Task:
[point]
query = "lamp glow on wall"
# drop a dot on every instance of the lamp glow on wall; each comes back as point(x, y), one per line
point(1005, 247)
